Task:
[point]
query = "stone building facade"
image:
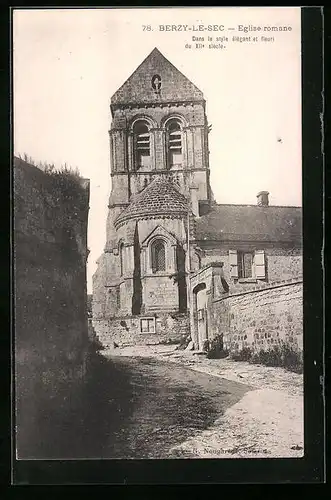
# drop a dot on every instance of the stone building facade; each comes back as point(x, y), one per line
point(168, 243)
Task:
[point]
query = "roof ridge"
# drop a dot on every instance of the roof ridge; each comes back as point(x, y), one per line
point(252, 205)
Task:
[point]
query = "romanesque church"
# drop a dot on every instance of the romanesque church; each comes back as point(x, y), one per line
point(175, 261)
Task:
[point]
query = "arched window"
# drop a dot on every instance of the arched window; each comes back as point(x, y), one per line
point(174, 143)
point(156, 83)
point(142, 146)
point(121, 252)
point(158, 256)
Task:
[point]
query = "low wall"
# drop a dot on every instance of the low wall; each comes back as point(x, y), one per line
point(261, 317)
point(126, 330)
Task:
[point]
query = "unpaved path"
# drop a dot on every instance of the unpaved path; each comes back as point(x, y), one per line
point(266, 420)
point(169, 404)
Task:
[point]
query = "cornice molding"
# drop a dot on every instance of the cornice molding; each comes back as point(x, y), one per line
point(157, 172)
point(165, 104)
point(169, 215)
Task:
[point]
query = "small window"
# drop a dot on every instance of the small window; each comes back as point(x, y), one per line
point(158, 256)
point(174, 138)
point(156, 84)
point(142, 145)
point(147, 325)
point(245, 264)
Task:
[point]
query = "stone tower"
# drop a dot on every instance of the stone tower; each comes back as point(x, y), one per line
point(160, 184)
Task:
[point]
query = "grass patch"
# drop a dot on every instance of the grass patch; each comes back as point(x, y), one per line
point(283, 355)
point(67, 182)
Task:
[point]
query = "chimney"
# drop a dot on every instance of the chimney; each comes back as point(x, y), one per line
point(263, 198)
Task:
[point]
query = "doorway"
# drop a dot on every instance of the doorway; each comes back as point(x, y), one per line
point(200, 314)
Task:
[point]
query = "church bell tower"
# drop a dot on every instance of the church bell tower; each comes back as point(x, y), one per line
point(159, 175)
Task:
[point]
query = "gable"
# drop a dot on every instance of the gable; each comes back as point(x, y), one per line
point(175, 87)
point(159, 231)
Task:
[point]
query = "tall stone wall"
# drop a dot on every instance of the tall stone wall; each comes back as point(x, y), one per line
point(51, 329)
point(261, 317)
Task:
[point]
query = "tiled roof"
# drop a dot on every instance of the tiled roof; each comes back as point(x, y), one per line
point(175, 86)
point(250, 223)
point(160, 197)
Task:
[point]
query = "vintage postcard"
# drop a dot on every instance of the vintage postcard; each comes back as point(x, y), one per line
point(158, 241)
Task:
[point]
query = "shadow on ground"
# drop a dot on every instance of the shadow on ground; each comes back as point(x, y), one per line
point(168, 404)
point(132, 408)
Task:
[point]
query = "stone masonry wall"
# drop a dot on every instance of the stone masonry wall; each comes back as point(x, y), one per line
point(194, 149)
point(281, 263)
point(126, 330)
point(107, 278)
point(51, 328)
point(160, 293)
point(262, 317)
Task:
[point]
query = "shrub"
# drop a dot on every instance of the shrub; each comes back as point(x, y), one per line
point(216, 350)
point(291, 359)
point(67, 187)
point(66, 183)
point(284, 355)
point(224, 353)
point(273, 357)
point(243, 354)
point(255, 358)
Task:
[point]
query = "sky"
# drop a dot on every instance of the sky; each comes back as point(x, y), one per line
point(67, 63)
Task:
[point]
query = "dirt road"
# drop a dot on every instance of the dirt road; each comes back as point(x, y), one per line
point(156, 406)
point(267, 421)
point(135, 406)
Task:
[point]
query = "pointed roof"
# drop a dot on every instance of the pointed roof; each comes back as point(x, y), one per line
point(175, 87)
point(159, 198)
